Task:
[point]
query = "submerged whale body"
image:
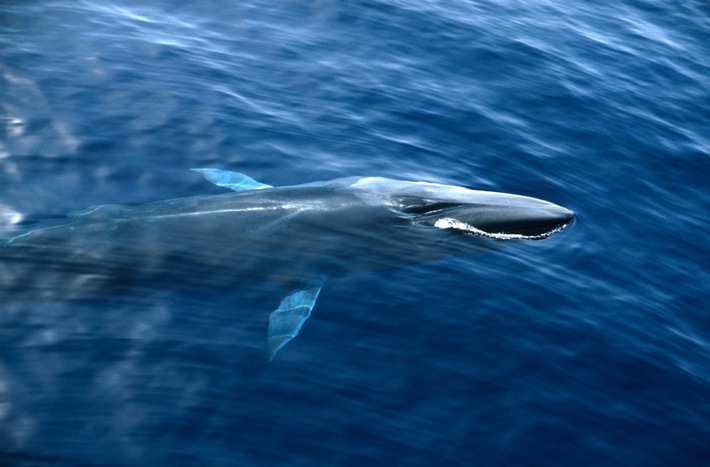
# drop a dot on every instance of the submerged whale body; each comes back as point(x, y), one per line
point(295, 235)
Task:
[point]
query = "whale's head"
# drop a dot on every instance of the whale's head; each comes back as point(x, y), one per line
point(481, 213)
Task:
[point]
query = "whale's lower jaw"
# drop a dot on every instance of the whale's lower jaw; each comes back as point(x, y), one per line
point(540, 233)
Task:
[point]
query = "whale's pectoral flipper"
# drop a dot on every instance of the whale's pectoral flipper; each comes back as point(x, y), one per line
point(232, 180)
point(287, 319)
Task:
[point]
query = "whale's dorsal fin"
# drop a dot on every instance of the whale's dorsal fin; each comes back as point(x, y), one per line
point(232, 180)
point(293, 311)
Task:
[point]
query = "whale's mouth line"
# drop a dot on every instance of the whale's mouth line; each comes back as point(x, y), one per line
point(449, 223)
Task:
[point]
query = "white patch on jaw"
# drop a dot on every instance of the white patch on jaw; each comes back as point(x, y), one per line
point(451, 223)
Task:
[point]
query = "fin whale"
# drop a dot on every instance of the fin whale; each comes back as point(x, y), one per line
point(294, 235)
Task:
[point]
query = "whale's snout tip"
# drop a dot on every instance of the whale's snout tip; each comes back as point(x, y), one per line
point(565, 216)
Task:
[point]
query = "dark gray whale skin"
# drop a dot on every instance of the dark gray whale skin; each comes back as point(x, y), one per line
point(295, 235)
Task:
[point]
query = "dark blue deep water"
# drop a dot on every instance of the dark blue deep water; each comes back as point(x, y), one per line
point(589, 348)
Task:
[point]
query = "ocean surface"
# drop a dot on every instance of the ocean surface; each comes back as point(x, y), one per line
point(591, 347)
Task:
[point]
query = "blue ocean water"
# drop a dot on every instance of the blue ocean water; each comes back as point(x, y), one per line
point(589, 348)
